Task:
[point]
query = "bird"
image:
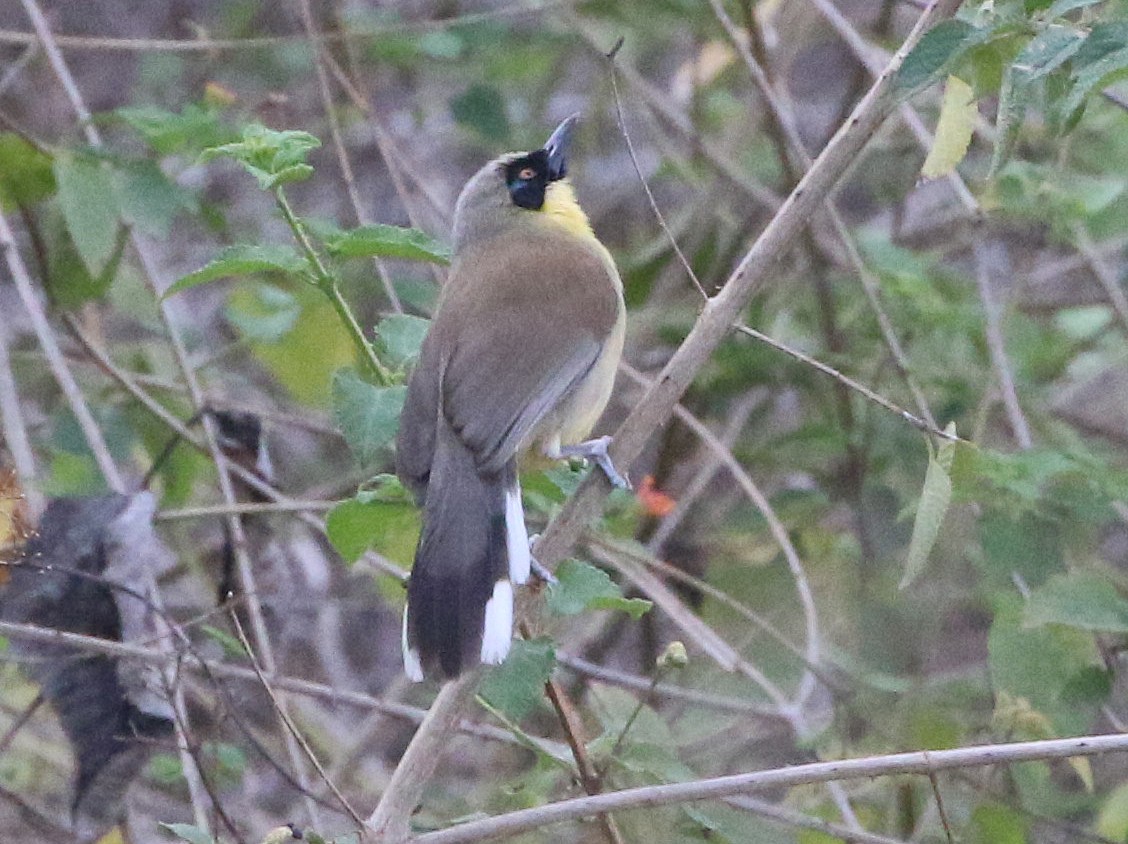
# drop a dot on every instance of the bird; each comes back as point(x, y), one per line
point(520, 357)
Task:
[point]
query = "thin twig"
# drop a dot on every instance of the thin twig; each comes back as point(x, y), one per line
point(14, 430)
point(790, 817)
point(996, 347)
point(289, 722)
point(860, 389)
point(244, 509)
point(590, 777)
point(711, 463)
point(1105, 274)
point(339, 145)
point(784, 121)
point(635, 682)
point(813, 651)
point(223, 670)
point(57, 362)
point(641, 178)
point(944, 822)
point(524, 820)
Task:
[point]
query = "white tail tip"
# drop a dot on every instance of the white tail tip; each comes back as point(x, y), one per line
point(516, 536)
point(412, 667)
point(497, 632)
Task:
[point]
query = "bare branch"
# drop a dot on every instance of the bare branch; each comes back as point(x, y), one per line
point(997, 349)
point(924, 763)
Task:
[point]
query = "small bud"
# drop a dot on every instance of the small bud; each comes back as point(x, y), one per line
point(281, 835)
point(673, 657)
point(219, 95)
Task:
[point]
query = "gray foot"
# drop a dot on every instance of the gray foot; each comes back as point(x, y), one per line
point(596, 451)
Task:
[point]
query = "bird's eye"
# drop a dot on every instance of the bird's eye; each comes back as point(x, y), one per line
point(526, 173)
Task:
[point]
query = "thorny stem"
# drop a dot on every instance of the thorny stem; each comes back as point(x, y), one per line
point(326, 282)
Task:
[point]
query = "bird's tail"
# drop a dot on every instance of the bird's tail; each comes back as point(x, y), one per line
point(474, 546)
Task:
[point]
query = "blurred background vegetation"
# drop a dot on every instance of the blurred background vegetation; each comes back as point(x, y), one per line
point(990, 296)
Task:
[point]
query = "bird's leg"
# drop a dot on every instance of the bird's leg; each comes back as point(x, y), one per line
point(536, 566)
point(596, 451)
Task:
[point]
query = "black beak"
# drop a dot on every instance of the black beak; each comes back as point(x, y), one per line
point(557, 148)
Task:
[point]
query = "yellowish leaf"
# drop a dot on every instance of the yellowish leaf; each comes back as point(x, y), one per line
point(114, 836)
point(953, 131)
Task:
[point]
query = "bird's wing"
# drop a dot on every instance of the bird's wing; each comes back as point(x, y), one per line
point(512, 355)
point(415, 442)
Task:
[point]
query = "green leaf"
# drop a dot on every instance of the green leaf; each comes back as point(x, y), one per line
point(272, 157)
point(1112, 821)
point(149, 199)
point(188, 832)
point(1082, 600)
point(388, 242)
point(1061, 7)
point(1014, 94)
point(580, 586)
point(367, 415)
point(297, 335)
point(390, 527)
point(265, 313)
point(1048, 51)
point(242, 259)
point(517, 686)
point(87, 199)
point(26, 175)
point(935, 52)
point(934, 500)
point(401, 337)
point(482, 107)
point(953, 130)
point(995, 823)
point(1100, 73)
point(1041, 665)
point(232, 647)
point(168, 132)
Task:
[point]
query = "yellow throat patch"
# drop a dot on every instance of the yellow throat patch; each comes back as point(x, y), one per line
point(561, 207)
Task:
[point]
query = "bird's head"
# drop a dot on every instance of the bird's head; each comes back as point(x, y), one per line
point(520, 188)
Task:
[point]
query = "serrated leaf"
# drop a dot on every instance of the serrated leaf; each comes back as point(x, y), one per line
point(1082, 600)
point(169, 132)
point(242, 259)
point(935, 52)
point(384, 241)
point(272, 157)
point(580, 586)
point(401, 337)
point(517, 686)
point(934, 500)
point(953, 131)
point(26, 175)
point(90, 209)
point(357, 525)
point(367, 415)
point(188, 832)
